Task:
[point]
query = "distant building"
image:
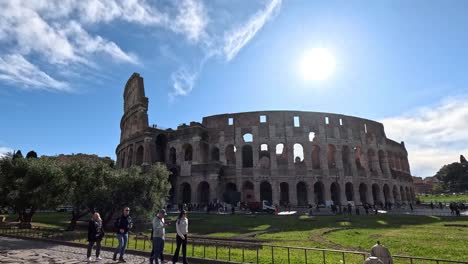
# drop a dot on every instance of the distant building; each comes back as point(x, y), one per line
point(424, 185)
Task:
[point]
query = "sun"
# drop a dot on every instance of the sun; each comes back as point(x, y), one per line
point(317, 64)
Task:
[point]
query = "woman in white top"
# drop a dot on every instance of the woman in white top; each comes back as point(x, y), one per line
point(182, 231)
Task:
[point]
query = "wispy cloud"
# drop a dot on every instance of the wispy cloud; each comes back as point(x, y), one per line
point(55, 31)
point(226, 46)
point(434, 136)
point(16, 69)
point(236, 39)
point(191, 20)
point(183, 80)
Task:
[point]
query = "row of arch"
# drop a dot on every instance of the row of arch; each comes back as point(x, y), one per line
point(377, 194)
point(127, 157)
point(349, 157)
point(375, 161)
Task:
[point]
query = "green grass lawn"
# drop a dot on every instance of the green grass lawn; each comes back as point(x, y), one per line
point(446, 198)
point(424, 236)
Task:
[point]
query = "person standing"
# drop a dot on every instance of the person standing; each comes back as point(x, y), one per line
point(161, 256)
point(95, 235)
point(122, 225)
point(159, 234)
point(381, 252)
point(181, 239)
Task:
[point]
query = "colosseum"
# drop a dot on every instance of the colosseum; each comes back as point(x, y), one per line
point(286, 157)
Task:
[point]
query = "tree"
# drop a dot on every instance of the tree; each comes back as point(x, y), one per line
point(88, 178)
point(31, 184)
point(454, 177)
point(31, 154)
point(143, 190)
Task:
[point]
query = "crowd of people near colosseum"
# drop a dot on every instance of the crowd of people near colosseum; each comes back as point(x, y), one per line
point(455, 208)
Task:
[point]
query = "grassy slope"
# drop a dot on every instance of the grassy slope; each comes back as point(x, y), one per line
point(443, 198)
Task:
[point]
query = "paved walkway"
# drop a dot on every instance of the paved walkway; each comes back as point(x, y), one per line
point(14, 250)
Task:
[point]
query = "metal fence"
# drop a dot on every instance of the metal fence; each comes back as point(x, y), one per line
point(224, 250)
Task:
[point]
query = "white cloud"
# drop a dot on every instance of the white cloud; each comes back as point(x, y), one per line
point(227, 46)
point(16, 69)
point(191, 20)
point(433, 136)
point(58, 33)
point(236, 39)
point(86, 44)
point(4, 151)
point(183, 81)
point(55, 31)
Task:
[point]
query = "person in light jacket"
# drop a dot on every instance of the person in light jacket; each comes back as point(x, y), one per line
point(181, 239)
point(159, 234)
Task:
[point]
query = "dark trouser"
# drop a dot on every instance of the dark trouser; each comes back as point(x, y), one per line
point(161, 256)
point(158, 245)
point(90, 247)
point(182, 242)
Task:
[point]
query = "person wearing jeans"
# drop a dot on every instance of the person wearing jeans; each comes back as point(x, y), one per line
point(159, 234)
point(122, 224)
point(181, 239)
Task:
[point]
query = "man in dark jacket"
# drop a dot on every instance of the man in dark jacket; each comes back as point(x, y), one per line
point(122, 225)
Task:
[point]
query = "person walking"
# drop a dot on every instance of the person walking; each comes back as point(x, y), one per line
point(161, 256)
point(95, 235)
point(122, 225)
point(159, 234)
point(181, 239)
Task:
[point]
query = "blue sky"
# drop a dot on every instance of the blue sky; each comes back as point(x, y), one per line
point(64, 64)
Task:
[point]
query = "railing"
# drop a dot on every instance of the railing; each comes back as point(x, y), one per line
point(225, 250)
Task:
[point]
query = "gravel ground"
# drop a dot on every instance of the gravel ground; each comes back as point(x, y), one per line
point(14, 250)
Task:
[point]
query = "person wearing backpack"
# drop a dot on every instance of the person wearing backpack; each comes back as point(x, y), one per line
point(122, 225)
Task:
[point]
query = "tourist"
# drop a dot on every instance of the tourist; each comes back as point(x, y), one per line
point(158, 234)
point(181, 237)
point(161, 256)
point(372, 260)
point(432, 205)
point(411, 207)
point(122, 225)
point(381, 252)
point(95, 235)
point(350, 210)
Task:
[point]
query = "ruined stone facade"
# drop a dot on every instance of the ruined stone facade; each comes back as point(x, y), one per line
point(291, 157)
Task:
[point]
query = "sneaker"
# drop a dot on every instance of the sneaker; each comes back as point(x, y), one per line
point(122, 260)
point(115, 257)
point(98, 258)
point(89, 259)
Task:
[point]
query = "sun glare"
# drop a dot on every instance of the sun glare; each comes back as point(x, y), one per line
point(317, 64)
